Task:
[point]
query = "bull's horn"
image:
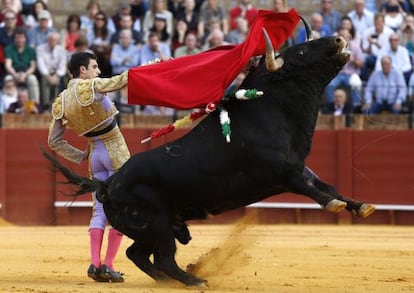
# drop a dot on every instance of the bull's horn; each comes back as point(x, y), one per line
point(272, 65)
point(309, 36)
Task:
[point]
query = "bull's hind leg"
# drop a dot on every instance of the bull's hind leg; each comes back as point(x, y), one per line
point(300, 185)
point(356, 207)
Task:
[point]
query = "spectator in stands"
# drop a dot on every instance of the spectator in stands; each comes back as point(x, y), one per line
point(373, 40)
point(114, 22)
point(280, 6)
point(393, 14)
point(124, 54)
point(21, 63)
point(215, 39)
point(158, 7)
point(99, 42)
point(151, 51)
point(239, 34)
point(24, 105)
point(400, 58)
point(317, 25)
point(139, 8)
point(27, 6)
point(127, 22)
point(410, 95)
point(210, 11)
point(7, 31)
point(38, 35)
point(71, 32)
point(8, 94)
point(2, 64)
point(361, 17)
point(32, 20)
point(386, 89)
point(180, 32)
point(81, 45)
point(350, 71)
point(175, 7)
point(407, 6)
point(154, 49)
point(189, 15)
point(346, 22)
point(7, 5)
point(88, 19)
point(243, 9)
point(52, 65)
point(16, 6)
point(339, 105)
point(331, 16)
point(160, 27)
point(190, 47)
point(406, 33)
point(212, 25)
point(372, 5)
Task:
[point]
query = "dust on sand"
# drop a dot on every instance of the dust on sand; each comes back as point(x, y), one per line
point(227, 256)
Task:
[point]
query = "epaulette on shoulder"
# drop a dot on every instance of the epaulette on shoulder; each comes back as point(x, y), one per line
point(84, 92)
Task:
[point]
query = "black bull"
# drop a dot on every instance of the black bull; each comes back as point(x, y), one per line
point(152, 196)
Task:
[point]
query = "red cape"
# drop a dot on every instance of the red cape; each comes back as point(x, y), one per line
point(196, 80)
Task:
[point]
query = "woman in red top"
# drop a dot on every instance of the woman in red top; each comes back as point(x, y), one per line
point(71, 33)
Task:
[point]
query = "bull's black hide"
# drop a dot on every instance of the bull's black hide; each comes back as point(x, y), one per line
point(152, 196)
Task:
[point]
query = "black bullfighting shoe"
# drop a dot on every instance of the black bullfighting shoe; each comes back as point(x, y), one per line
point(110, 275)
point(94, 273)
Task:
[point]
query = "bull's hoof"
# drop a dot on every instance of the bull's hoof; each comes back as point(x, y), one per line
point(365, 210)
point(182, 234)
point(335, 206)
point(199, 284)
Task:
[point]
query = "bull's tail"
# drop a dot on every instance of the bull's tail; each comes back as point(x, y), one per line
point(84, 183)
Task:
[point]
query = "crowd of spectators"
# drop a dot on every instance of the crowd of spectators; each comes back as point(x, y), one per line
point(34, 52)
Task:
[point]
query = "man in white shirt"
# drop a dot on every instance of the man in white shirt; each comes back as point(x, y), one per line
point(400, 57)
point(374, 39)
point(51, 60)
point(361, 17)
point(124, 54)
point(8, 94)
point(386, 89)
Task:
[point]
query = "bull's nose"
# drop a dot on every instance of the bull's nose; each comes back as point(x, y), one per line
point(340, 41)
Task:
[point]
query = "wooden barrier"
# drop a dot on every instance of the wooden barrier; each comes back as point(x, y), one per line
point(26, 121)
point(324, 122)
point(371, 165)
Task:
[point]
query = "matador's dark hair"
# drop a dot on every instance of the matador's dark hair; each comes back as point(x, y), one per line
point(80, 59)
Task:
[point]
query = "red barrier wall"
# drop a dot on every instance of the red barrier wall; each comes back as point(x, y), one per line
point(373, 166)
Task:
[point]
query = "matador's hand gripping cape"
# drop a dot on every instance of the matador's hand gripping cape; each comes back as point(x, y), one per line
point(195, 81)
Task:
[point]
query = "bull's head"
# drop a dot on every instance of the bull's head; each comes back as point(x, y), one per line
point(272, 64)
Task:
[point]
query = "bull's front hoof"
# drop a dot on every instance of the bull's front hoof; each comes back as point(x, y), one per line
point(335, 206)
point(199, 284)
point(365, 210)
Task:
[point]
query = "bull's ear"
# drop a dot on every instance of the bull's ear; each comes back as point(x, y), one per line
point(272, 65)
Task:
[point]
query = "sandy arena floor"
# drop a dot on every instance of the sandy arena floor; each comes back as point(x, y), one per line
point(234, 258)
